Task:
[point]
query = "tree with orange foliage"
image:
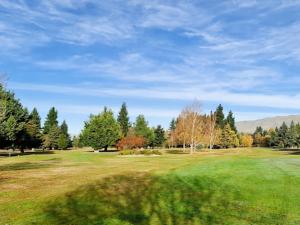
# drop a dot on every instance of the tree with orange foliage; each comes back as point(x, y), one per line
point(131, 142)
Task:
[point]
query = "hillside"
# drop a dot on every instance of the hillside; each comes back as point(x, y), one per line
point(267, 123)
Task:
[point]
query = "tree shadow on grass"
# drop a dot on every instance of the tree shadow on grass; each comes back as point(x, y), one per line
point(16, 153)
point(144, 199)
point(28, 165)
point(294, 152)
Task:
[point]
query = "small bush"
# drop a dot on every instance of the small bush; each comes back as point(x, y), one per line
point(128, 152)
point(150, 152)
point(140, 152)
point(176, 151)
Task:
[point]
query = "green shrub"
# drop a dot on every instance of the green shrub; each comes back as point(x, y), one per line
point(140, 152)
point(176, 151)
point(128, 152)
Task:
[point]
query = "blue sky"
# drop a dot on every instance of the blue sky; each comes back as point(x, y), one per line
point(158, 56)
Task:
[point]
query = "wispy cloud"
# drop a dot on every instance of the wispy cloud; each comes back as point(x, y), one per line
point(244, 53)
point(242, 99)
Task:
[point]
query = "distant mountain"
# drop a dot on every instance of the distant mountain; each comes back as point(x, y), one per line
point(267, 123)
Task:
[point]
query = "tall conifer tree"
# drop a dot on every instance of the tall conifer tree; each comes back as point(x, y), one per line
point(51, 120)
point(220, 118)
point(123, 120)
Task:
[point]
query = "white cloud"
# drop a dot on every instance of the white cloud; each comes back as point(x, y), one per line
point(241, 99)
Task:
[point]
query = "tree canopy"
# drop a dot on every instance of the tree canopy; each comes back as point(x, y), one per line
point(101, 131)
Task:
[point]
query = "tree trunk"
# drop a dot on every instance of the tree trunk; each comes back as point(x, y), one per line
point(22, 150)
point(105, 148)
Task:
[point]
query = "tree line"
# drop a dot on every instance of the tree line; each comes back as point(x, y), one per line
point(282, 137)
point(21, 129)
point(192, 129)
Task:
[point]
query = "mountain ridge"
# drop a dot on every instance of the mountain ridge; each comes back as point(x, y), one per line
point(249, 126)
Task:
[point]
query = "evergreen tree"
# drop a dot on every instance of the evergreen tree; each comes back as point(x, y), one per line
point(13, 118)
point(33, 128)
point(229, 138)
point(51, 120)
point(12, 129)
point(101, 131)
point(51, 130)
point(172, 125)
point(220, 121)
point(51, 138)
point(65, 133)
point(63, 141)
point(35, 118)
point(292, 136)
point(159, 136)
point(281, 137)
point(123, 120)
point(231, 121)
point(258, 130)
point(64, 128)
point(141, 129)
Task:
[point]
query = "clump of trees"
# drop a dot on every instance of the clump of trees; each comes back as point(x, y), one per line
point(282, 137)
point(21, 129)
point(55, 136)
point(103, 131)
point(195, 129)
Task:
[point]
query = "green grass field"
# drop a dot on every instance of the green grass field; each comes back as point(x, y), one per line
point(243, 186)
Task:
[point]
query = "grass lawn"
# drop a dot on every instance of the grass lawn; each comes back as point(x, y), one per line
point(242, 186)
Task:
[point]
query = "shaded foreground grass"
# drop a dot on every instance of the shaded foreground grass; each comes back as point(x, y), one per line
point(254, 186)
point(144, 199)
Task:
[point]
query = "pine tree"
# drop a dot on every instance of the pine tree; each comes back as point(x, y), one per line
point(65, 135)
point(159, 136)
point(231, 121)
point(220, 121)
point(123, 120)
point(292, 136)
point(229, 138)
point(63, 141)
point(33, 128)
point(141, 129)
point(12, 130)
point(35, 118)
point(51, 120)
point(281, 137)
point(172, 125)
point(13, 118)
point(258, 130)
point(51, 138)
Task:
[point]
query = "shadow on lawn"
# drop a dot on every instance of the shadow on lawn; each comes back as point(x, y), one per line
point(294, 152)
point(17, 153)
point(28, 165)
point(144, 199)
point(291, 151)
